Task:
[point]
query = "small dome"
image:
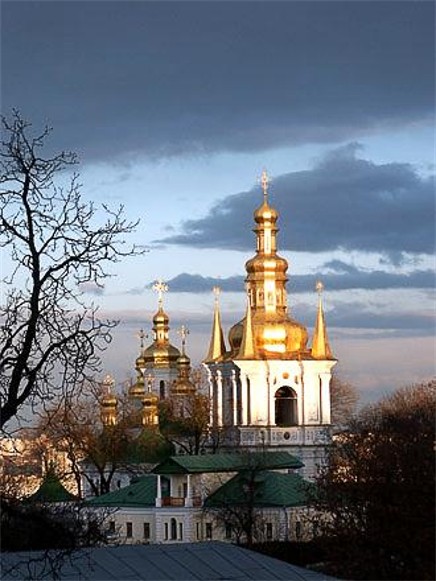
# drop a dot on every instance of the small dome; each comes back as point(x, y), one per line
point(262, 264)
point(109, 400)
point(161, 355)
point(235, 336)
point(265, 213)
point(161, 318)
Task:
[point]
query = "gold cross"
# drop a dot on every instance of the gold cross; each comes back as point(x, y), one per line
point(160, 287)
point(141, 336)
point(264, 182)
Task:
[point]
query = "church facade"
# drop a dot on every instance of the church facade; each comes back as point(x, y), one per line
point(269, 385)
point(269, 389)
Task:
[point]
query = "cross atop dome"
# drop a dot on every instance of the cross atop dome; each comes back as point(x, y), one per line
point(160, 287)
point(264, 182)
point(183, 332)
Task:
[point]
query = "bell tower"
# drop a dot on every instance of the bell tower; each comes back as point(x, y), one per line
point(270, 389)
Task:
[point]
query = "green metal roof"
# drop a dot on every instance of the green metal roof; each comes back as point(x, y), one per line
point(227, 462)
point(51, 490)
point(271, 489)
point(142, 492)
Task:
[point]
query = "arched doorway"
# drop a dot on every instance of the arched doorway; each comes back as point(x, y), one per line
point(286, 411)
point(173, 527)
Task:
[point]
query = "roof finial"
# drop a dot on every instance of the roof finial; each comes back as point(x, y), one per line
point(160, 287)
point(319, 287)
point(141, 336)
point(264, 182)
point(216, 291)
point(183, 332)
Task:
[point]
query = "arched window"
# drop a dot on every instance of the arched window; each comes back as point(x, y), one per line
point(162, 389)
point(173, 526)
point(286, 412)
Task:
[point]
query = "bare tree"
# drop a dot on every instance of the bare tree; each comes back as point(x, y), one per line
point(344, 398)
point(378, 490)
point(49, 338)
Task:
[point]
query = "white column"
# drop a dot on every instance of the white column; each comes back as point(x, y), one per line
point(235, 399)
point(211, 397)
point(159, 492)
point(244, 394)
point(188, 499)
point(219, 397)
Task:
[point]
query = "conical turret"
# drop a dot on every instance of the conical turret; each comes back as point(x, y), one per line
point(217, 346)
point(320, 343)
point(247, 349)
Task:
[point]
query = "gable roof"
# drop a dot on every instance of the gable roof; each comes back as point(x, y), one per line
point(51, 490)
point(200, 561)
point(227, 463)
point(271, 489)
point(141, 493)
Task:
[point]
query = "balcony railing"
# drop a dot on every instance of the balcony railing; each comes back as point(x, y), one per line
point(180, 501)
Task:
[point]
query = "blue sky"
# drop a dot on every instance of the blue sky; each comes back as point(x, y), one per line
point(175, 108)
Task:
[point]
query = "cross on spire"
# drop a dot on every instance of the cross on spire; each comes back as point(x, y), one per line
point(319, 287)
point(183, 332)
point(216, 291)
point(160, 287)
point(141, 336)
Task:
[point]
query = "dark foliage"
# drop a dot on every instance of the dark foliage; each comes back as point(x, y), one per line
point(378, 492)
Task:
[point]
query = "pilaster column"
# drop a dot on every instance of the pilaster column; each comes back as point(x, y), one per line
point(159, 491)
point(325, 398)
point(244, 402)
point(219, 398)
point(188, 499)
point(235, 399)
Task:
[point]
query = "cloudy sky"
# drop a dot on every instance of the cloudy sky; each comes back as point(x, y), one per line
point(175, 108)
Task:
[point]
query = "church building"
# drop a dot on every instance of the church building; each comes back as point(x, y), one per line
point(269, 389)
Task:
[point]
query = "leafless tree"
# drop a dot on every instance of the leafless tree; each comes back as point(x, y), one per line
point(344, 398)
point(50, 338)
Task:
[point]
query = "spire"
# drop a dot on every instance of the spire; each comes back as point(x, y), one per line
point(217, 346)
point(246, 350)
point(320, 344)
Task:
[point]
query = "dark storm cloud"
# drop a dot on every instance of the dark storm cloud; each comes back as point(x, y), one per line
point(350, 278)
point(344, 202)
point(166, 78)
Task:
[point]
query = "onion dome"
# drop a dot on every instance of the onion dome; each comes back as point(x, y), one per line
point(160, 354)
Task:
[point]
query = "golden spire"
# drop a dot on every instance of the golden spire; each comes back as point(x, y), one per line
point(247, 348)
point(320, 344)
point(217, 346)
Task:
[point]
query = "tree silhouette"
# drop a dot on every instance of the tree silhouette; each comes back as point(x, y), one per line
point(59, 244)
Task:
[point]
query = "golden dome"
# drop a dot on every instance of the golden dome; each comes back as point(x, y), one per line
point(161, 355)
point(109, 401)
point(274, 337)
point(265, 213)
point(161, 318)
